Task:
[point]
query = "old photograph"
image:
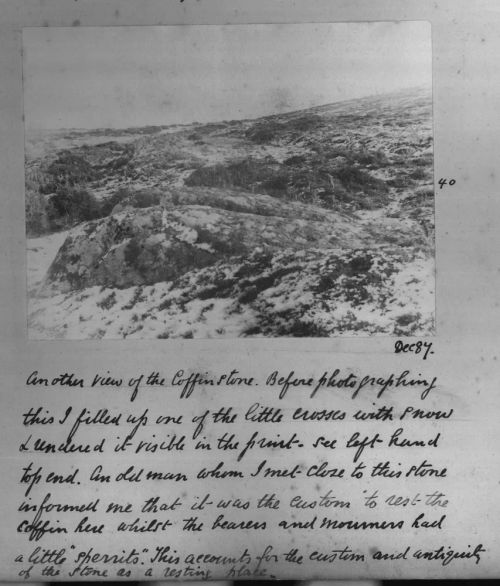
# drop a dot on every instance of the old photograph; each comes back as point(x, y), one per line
point(229, 181)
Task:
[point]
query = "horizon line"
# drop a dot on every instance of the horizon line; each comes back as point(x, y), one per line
point(28, 129)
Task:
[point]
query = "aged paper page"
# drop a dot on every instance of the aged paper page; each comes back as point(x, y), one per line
point(249, 290)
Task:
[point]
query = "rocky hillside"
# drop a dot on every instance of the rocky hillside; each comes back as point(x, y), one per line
point(310, 223)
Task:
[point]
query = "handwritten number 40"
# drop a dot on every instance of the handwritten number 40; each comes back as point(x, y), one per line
point(442, 182)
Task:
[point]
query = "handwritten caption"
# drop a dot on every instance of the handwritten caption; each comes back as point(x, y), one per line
point(167, 474)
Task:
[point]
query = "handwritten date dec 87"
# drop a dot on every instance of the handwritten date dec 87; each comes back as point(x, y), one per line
point(419, 347)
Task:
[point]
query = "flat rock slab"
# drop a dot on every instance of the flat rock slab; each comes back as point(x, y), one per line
point(150, 245)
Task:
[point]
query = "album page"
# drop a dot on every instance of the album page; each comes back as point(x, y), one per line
point(249, 297)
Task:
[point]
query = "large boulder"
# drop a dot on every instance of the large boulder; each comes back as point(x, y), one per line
point(161, 243)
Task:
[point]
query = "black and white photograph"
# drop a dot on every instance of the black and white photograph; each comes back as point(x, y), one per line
point(227, 181)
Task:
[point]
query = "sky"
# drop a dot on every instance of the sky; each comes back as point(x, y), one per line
point(100, 77)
